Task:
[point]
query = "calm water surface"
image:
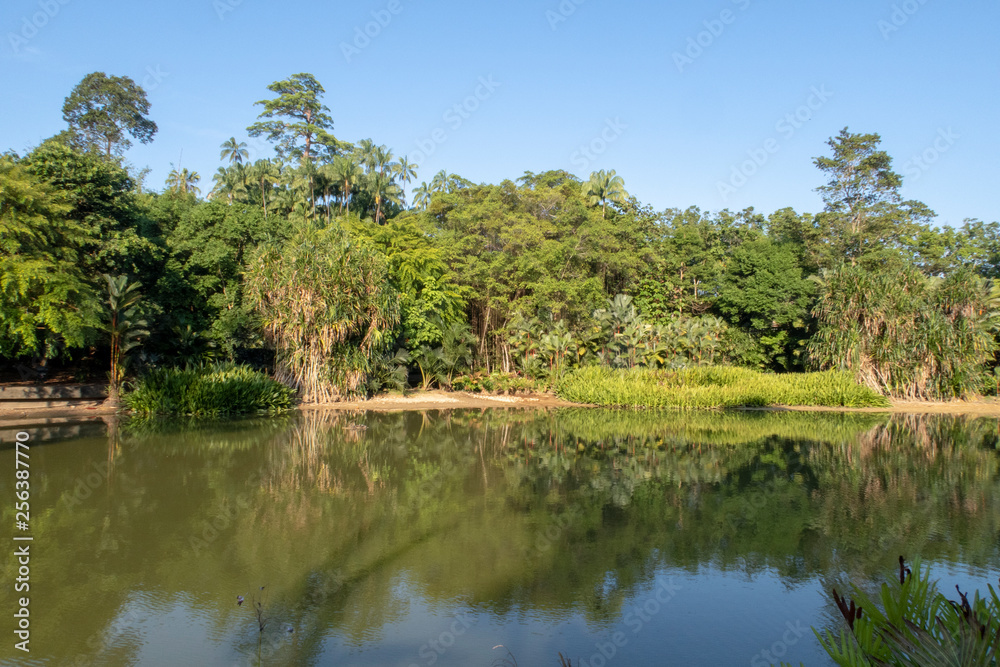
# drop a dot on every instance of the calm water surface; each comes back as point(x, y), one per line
point(614, 538)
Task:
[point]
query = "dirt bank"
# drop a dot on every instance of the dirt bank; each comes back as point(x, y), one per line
point(440, 400)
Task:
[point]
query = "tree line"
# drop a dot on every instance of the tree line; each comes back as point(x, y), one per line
point(315, 263)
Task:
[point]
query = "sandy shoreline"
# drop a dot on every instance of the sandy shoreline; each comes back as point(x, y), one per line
point(441, 400)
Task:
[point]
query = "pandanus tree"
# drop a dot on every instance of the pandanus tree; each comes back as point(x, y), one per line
point(604, 187)
point(327, 308)
point(903, 334)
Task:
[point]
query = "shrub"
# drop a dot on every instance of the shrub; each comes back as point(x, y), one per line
point(502, 383)
point(211, 390)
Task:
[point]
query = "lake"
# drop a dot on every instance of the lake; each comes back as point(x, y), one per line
point(486, 537)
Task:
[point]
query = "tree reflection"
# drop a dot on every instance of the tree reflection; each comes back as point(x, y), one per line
point(348, 515)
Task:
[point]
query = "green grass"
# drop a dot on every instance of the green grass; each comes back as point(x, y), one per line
point(208, 390)
point(714, 387)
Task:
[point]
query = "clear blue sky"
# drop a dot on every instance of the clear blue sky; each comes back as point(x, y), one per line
point(612, 77)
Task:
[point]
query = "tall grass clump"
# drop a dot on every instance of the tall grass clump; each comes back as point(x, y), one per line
point(714, 387)
point(209, 390)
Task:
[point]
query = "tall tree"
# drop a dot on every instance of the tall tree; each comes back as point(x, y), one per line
point(296, 117)
point(864, 211)
point(604, 187)
point(101, 110)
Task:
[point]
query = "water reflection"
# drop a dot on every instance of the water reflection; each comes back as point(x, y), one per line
point(371, 531)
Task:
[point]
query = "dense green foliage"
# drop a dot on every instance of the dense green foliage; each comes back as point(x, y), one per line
point(714, 387)
point(532, 277)
point(208, 390)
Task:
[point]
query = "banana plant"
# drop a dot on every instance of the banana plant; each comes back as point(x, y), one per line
point(125, 329)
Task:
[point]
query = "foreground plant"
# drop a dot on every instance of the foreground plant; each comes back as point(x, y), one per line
point(915, 625)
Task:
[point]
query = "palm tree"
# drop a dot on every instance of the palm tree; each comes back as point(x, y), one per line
point(348, 173)
point(383, 160)
point(304, 178)
point(184, 181)
point(440, 181)
point(604, 187)
point(384, 190)
point(264, 174)
point(234, 151)
point(406, 171)
point(365, 154)
point(422, 195)
point(223, 184)
point(327, 180)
